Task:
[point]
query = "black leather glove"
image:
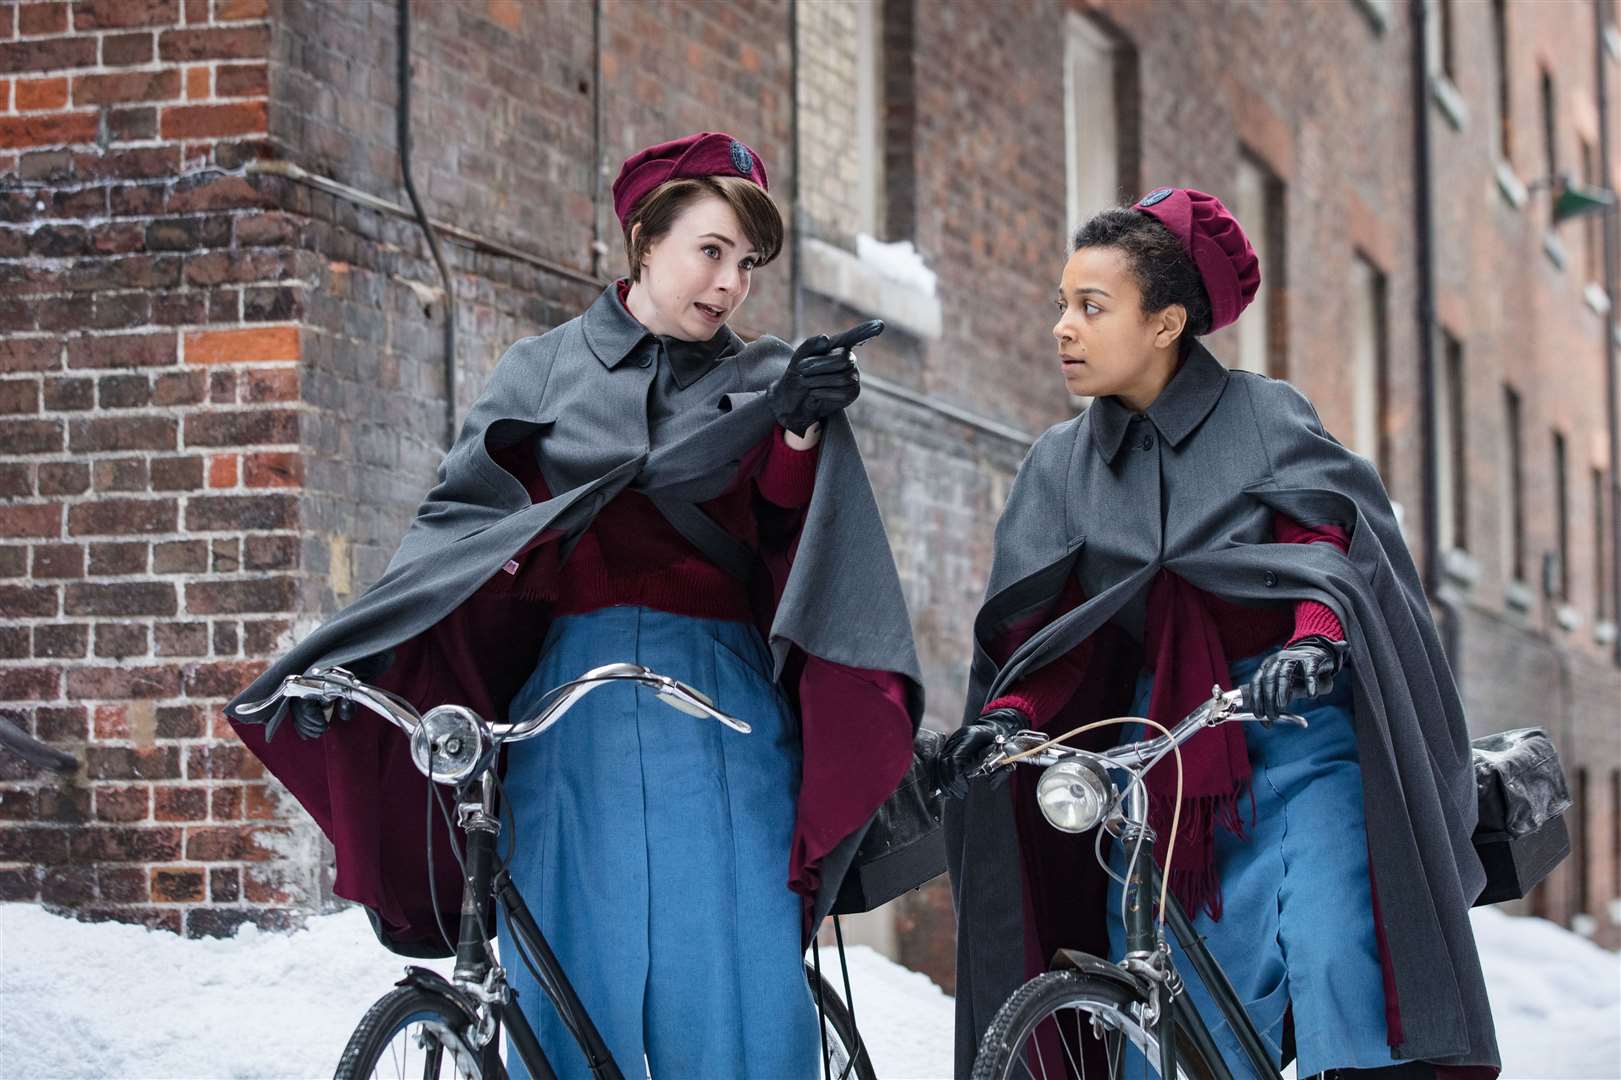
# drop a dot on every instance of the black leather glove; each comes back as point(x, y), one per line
point(821, 379)
point(311, 718)
point(1302, 670)
point(966, 747)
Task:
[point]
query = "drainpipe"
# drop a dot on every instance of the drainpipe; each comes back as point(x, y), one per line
point(796, 218)
point(1424, 254)
point(402, 119)
point(1611, 391)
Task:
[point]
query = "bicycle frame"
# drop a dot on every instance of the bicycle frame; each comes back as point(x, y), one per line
point(1147, 957)
point(1142, 941)
point(473, 969)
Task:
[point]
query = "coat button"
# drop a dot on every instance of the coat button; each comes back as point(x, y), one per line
point(645, 361)
point(1271, 579)
point(1148, 442)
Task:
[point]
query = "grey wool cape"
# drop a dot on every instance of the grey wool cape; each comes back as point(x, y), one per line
point(1192, 487)
point(569, 420)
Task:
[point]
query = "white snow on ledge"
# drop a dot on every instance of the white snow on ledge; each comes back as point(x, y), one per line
point(107, 1000)
point(887, 281)
point(899, 262)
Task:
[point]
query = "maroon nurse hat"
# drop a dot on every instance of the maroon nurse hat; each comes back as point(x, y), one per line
point(1212, 236)
point(708, 153)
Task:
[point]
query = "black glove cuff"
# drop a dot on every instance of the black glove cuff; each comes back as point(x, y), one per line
point(1337, 650)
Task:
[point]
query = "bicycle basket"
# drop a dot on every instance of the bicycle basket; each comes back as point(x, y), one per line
point(1521, 834)
point(905, 847)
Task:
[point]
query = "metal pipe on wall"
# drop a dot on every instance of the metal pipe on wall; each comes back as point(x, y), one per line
point(402, 118)
point(1607, 226)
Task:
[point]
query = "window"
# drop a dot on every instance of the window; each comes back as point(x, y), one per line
point(1592, 224)
point(1091, 122)
point(1601, 588)
point(1513, 425)
point(1615, 834)
point(1505, 100)
point(1581, 852)
point(1561, 495)
point(870, 117)
point(1369, 365)
point(1450, 444)
point(897, 118)
point(1445, 32)
point(1258, 199)
point(1550, 130)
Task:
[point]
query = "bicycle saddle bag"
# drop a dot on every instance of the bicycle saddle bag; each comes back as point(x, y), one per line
point(905, 846)
point(1521, 833)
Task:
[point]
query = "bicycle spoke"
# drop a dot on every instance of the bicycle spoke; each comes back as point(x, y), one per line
point(1076, 1070)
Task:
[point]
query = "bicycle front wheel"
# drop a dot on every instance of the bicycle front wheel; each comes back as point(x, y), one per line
point(411, 1032)
point(846, 1057)
point(1038, 1033)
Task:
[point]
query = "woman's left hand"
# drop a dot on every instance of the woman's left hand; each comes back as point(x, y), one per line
point(1303, 669)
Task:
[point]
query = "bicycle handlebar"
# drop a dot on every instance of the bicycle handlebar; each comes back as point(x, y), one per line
point(1223, 706)
point(451, 742)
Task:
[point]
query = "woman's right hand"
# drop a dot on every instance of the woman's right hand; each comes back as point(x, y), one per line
point(967, 747)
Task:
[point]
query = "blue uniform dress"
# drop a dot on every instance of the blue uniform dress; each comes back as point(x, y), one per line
point(1297, 904)
point(652, 848)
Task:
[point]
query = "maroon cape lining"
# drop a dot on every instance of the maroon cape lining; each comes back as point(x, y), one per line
point(360, 786)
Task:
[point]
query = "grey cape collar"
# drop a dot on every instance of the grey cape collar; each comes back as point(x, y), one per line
point(614, 334)
point(1184, 403)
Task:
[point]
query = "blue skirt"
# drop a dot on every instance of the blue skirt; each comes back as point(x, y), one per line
point(652, 848)
point(1297, 905)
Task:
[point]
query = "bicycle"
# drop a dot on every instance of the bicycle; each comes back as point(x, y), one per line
point(1140, 1000)
point(429, 1023)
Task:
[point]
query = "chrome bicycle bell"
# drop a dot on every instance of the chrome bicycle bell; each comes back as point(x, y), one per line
point(449, 744)
point(1073, 795)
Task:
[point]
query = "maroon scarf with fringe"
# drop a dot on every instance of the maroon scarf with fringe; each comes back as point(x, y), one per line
point(1184, 644)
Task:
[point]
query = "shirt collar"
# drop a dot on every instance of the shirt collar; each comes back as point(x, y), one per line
point(614, 333)
point(1184, 403)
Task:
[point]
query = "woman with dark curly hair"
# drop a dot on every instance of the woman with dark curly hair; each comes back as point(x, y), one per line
point(1196, 527)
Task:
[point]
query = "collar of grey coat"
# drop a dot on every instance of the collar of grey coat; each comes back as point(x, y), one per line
point(1186, 400)
point(614, 334)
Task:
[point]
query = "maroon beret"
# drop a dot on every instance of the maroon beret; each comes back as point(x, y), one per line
point(1221, 251)
point(708, 153)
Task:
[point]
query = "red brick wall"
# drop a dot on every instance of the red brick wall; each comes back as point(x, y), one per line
point(150, 385)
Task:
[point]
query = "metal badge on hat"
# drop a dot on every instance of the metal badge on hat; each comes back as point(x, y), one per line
point(1153, 198)
point(742, 160)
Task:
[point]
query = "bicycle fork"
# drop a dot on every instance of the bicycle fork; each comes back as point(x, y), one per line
point(473, 968)
point(1148, 955)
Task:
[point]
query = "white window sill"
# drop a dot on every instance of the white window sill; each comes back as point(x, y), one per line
point(1510, 185)
point(1604, 632)
point(1451, 101)
point(1460, 567)
point(1555, 251)
point(1596, 298)
point(1518, 595)
point(839, 275)
point(1567, 617)
point(1378, 13)
point(1612, 41)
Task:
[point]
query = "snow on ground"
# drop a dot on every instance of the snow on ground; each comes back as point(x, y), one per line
point(106, 1000)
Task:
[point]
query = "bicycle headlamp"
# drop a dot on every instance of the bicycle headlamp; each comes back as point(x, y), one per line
point(450, 743)
point(1073, 795)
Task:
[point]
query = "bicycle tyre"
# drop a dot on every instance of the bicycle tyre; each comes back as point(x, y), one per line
point(848, 1056)
point(1002, 1049)
point(383, 1043)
